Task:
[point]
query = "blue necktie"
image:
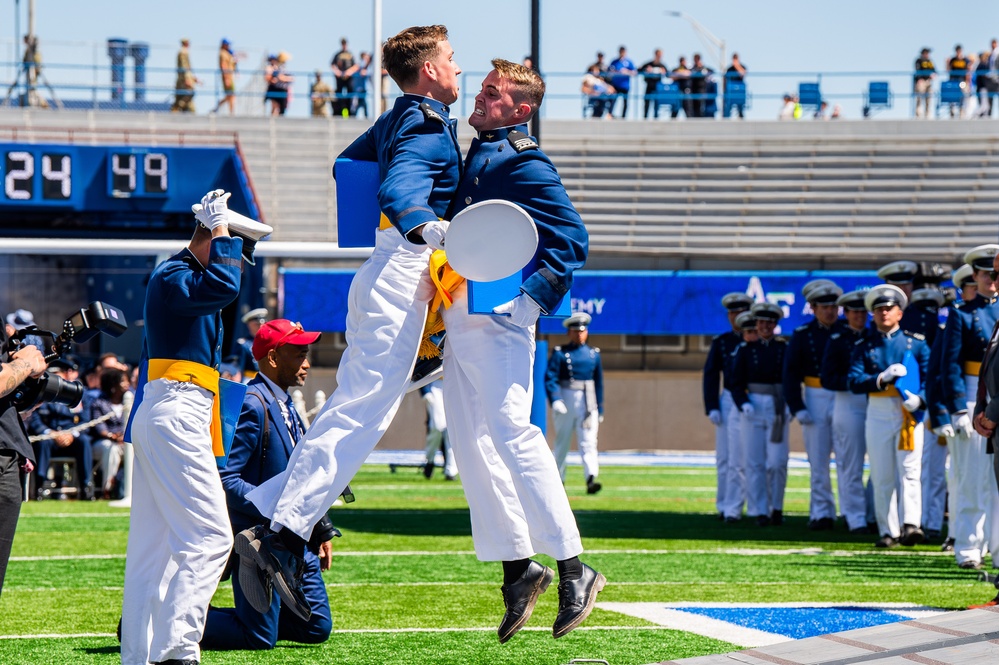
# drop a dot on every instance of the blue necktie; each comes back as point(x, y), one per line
point(292, 421)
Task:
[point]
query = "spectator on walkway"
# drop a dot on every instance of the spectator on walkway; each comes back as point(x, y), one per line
point(278, 83)
point(321, 94)
point(922, 87)
point(787, 111)
point(601, 65)
point(957, 71)
point(183, 101)
point(599, 92)
point(344, 67)
point(227, 69)
point(654, 70)
point(360, 85)
point(621, 70)
point(699, 75)
point(681, 77)
point(736, 73)
point(988, 80)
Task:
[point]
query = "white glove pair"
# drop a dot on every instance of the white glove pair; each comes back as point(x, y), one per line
point(912, 402)
point(715, 417)
point(963, 424)
point(433, 233)
point(747, 409)
point(213, 211)
point(804, 417)
point(945, 431)
point(559, 407)
point(893, 373)
point(522, 310)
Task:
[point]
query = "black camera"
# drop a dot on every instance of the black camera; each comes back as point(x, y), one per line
point(80, 326)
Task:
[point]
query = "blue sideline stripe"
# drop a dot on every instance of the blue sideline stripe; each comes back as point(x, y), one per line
point(799, 622)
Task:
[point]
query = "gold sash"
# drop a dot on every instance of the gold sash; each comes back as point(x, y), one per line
point(200, 375)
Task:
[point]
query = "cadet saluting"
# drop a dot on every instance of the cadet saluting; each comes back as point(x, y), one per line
point(574, 381)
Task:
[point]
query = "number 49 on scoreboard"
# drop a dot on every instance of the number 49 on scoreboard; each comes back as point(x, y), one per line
point(137, 174)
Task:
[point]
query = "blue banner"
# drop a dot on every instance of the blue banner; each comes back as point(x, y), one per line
point(620, 302)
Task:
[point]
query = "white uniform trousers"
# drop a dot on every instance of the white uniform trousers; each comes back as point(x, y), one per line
point(972, 488)
point(735, 474)
point(766, 463)
point(891, 467)
point(849, 446)
point(721, 450)
point(517, 502)
point(386, 312)
point(574, 420)
point(818, 447)
point(933, 481)
point(179, 535)
point(437, 429)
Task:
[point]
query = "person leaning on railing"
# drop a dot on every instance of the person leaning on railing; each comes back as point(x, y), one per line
point(599, 92)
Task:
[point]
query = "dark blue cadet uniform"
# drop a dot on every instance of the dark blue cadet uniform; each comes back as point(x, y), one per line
point(966, 335)
point(804, 358)
point(574, 362)
point(508, 164)
point(52, 416)
point(718, 368)
point(926, 322)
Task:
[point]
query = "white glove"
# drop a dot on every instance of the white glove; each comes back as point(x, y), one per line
point(963, 423)
point(213, 211)
point(600, 418)
point(747, 409)
point(522, 310)
point(590, 421)
point(714, 415)
point(804, 417)
point(433, 233)
point(558, 406)
point(890, 375)
point(945, 431)
point(912, 402)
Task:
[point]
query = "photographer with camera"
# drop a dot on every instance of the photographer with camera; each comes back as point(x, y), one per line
point(52, 426)
point(16, 456)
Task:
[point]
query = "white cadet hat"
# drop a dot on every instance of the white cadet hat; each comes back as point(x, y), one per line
point(981, 257)
point(745, 321)
point(884, 295)
point(577, 321)
point(927, 294)
point(898, 272)
point(736, 301)
point(768, 311)
point(853, 300)
point(824, 294)
point(963, 276)
point(814, 284)
point(240, 226)
point(258, 314)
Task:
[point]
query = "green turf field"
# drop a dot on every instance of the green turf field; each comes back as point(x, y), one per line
point(405, 586)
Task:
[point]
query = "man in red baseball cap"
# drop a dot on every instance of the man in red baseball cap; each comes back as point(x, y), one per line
point(268, 429)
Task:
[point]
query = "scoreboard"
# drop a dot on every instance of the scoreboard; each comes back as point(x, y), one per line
point(141, 183)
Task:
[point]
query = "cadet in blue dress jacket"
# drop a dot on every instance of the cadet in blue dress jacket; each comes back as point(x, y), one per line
point(515, 495)
point(419, 164)
point(267, 431)
point(720, 408)
point(894, 427)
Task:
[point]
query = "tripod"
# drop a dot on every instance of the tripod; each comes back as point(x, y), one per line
point(31, 69)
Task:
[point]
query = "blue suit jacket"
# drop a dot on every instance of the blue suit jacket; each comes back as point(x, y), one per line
point(248, 466)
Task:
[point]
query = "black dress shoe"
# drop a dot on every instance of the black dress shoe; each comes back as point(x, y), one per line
point(948, 545)
point(762, 520)
point(576, 599)
point(777, 517)
point(822, 524)
point(520, 597)
point(886, 542)
point(253, 581)
point(592, 486)
point(283, 568)
point(428, 470)
point(911, 535)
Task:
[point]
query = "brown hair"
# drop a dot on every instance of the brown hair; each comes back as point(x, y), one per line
point(529, 87)
point(403, 55)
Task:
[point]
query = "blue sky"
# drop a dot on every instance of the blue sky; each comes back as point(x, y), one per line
point(803, 37)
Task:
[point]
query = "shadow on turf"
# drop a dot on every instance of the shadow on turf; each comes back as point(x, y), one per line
point(99, 651)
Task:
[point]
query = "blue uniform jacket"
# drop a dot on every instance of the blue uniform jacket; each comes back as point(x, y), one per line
point(57, 417)
point(966, 335)
point(873, 353)
point(184, 302)
point(836, 359)
point(718, 368)
point(248, 465)
point(923, 321)
point(579, 362)
point(507, 164)
point(757, 362)
point(936, 407)
point(419, 162)
point(804, 358)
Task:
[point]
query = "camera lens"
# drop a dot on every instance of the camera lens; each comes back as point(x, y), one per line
point(57, 389)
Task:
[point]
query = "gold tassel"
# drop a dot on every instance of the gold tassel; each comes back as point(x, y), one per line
point(433, 326)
